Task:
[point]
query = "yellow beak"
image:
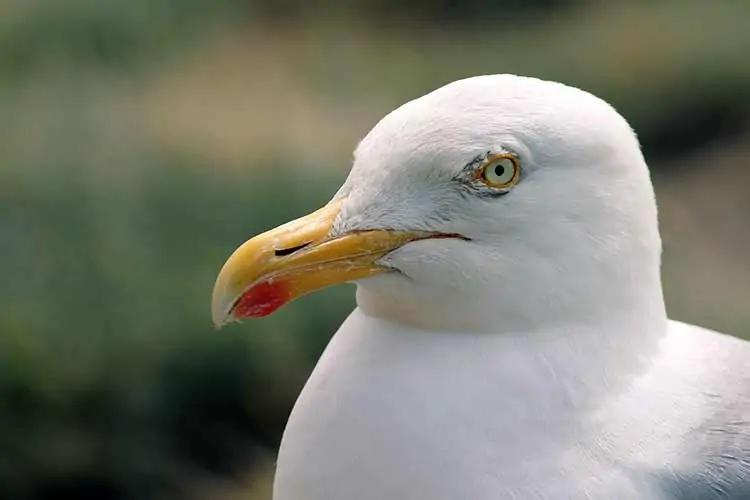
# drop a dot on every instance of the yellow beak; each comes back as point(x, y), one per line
point(297, 258)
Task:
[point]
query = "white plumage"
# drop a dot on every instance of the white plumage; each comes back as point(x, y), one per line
point(533, 358)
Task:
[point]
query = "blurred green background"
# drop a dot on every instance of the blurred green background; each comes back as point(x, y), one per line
point(141, 141)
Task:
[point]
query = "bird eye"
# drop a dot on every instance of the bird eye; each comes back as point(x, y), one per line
point(500, 171)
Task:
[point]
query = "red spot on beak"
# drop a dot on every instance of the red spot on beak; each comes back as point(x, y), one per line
point(261, 300)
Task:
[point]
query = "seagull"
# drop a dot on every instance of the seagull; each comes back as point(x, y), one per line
point(510, 339)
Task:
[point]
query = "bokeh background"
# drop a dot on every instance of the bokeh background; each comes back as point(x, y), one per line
point(141, 141)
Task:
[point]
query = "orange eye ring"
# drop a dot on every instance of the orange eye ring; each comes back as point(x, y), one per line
point(500, 171)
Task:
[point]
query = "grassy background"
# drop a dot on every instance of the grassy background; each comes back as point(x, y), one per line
point(142, 141)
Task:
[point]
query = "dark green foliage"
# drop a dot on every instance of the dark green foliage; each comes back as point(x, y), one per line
point(111, 33)
point(123, 33)
point(113, 382)
point(465, 13)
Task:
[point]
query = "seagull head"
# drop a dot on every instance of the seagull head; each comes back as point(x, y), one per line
point(493, 203)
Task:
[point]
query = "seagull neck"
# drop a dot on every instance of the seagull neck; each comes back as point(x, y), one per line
point(509, 308)
point(562, 369)
point(589, 343)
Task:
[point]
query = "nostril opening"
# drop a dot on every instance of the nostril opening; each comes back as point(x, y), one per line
point(283, 252)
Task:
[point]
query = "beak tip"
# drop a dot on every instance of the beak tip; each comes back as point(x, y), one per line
point(218, 322)
point(221, 322)
point(220, 315)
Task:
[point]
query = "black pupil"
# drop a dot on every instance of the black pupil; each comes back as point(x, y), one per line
point(499, 170)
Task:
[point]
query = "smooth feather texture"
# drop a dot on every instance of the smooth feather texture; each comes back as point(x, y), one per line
point(535, 360)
